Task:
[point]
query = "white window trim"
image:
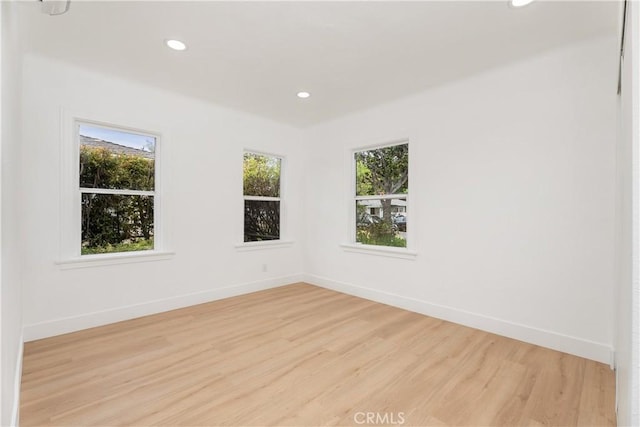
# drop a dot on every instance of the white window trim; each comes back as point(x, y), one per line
point(98, 260)
point(381, 197)
point(283, 241)
point(118, 192)
point(387, 251)
point(70, 196)
point(407, 252)
point(265, 244)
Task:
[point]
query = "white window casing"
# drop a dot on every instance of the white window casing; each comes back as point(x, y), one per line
point(352, 245)
point(71, 194)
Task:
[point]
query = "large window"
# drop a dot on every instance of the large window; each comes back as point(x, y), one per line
point(117, 181)
point(381, 191)
point(261, 190)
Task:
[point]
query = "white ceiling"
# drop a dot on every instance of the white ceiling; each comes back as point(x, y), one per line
point(255, 56)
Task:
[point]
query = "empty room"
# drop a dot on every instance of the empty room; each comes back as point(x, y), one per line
point(307, 213)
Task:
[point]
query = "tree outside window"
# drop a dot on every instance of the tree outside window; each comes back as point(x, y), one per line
point(261, 192)
point(382, 188)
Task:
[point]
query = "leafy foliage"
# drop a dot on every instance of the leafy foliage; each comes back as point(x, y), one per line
point(140, 245)
point(372, 230)
point(363, 179)
point(113, 222)
point(261, 178)
point(261, 220)
point(370, 237)
point(101, 168)
point(261, 175)
point(382, 171)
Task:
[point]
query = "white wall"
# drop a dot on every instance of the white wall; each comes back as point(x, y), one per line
point(10, 278)
point(512, 181)
point(627, 295)
point(201, 185)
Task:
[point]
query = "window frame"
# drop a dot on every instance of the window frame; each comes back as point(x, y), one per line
point(282, 241)
point(71, 196)
point(119, 191)
point(352, 245)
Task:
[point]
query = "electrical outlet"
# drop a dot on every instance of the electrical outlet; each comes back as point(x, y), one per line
point(264, 268)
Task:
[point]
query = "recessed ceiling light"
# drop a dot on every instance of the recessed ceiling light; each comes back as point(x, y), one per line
point(519, 3)
point(176, 44)
point(303, 95)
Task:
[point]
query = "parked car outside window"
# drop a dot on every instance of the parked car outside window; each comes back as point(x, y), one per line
point(400, 220)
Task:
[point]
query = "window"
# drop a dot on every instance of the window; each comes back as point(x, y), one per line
point(117, 181)
point(261, 190)
point(381, 192)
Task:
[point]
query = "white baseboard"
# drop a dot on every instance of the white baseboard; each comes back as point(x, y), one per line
point(584, 348)
point(567, 344)
point(17, 382)
point(99, 318)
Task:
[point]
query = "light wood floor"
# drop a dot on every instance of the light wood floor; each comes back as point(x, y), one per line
point(302, 355)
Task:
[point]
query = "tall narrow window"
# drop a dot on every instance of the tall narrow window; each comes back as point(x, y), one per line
point(117, 190)
point(261, 184)
point(381, 192)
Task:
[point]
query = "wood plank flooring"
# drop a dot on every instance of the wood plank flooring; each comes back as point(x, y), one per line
point(300, 355)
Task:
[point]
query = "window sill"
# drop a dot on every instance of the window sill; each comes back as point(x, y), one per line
point(386, 251)
point(111, 259)
point(269, 244)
